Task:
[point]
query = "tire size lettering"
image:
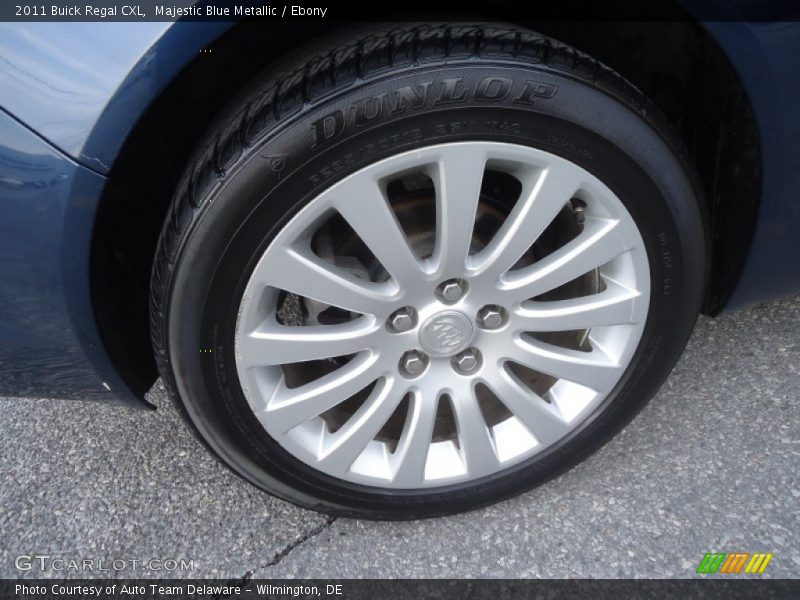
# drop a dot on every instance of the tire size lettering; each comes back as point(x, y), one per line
point(568, 145)
point(349, 160)
point(332, 168)
point(666, 259)
point(502, 127)
point(454, 127)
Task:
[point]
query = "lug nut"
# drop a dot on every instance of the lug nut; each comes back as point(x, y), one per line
point(490, 317)
point(467, 361)
point(413, 363)
point(451, 290)
point(402, 320)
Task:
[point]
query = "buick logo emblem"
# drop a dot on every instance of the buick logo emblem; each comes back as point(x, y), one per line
point(446, 333)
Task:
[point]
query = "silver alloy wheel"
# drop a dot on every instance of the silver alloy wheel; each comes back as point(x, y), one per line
point(358, 360)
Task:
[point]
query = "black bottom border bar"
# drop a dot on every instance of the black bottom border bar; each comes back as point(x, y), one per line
point(374, 589)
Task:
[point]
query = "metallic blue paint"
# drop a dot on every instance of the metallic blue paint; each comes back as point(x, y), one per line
point(767, 58)
point(79, 89)
point(82, 86)
point(49, 344)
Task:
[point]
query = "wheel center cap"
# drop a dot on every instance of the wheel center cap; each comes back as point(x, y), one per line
point(446, 333)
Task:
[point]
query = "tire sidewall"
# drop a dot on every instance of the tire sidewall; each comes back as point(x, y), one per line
point(319, 145)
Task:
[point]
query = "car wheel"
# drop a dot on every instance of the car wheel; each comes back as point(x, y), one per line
point(421, 270)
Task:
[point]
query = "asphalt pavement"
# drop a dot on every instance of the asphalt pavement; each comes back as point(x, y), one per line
point(710, 465)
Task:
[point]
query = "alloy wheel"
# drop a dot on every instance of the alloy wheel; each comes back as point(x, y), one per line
point(442, 314)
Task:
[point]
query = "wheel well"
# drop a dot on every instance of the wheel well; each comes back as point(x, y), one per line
point(676, 64)
point(687, 75)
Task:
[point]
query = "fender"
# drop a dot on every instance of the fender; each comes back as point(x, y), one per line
point(85, 93)
point(66, 109)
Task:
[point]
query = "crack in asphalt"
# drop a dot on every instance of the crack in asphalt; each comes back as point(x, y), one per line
point(286, 550)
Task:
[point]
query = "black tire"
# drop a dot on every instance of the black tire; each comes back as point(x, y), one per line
point(292, 134)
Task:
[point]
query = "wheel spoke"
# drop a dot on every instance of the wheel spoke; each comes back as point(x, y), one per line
point(596, 245)
point(616, 305)
point(347, 248)
point(542, 198)
point(304, 273)
point(477, 447)
point(458, 180)
point(289, 407)
point(284, 345)
point(364, 206)
point(415, 441)
point(594, 369)
point(342, 448)
point(539, 418)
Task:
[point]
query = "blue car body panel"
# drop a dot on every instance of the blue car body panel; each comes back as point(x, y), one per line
point(767, 57)
point(82, 86)
point(49, 343)
point(70, 93)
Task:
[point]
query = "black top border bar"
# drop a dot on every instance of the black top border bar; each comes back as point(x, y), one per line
point(402, 10)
